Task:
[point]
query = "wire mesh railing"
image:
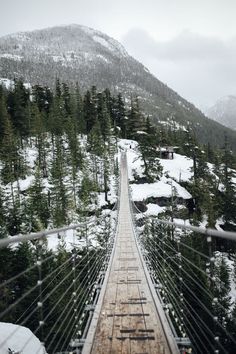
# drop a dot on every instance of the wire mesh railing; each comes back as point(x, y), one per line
point(193, 272)
point(52, 293)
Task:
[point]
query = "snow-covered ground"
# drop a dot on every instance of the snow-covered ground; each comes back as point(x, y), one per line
point(18, 339)
point(178, 169)
point(163, 188)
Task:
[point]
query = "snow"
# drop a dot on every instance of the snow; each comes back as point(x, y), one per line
point(6, 82)
point(68, 237)
point(162, 188)
point(154, 209)
point(16, 338)
point(86, 29)
point(176, 169)
point(111, 197)
point(111, 44)
point(57, 58)
point(230, 264)
point(103, 42)
point(11, 56)
point(133, 160)
point(10, 83)
point(22, 36)
point(24, 184)
point(103, 58)
point(179, 168)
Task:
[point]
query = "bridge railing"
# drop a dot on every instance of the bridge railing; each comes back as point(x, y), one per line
point(53, 293)
point(193, 269)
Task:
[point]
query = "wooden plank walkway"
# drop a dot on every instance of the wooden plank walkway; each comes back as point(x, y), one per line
point(128, 321)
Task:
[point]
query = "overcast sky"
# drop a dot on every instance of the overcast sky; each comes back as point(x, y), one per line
point(188, 44)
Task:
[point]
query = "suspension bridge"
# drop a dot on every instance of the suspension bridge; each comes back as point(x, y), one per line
point(131, 296)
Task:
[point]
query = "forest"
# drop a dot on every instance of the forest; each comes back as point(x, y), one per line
point(58, 159)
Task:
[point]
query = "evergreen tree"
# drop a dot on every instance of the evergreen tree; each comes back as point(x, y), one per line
point(120, 118)
point(231, 328)
point(66, 96)
point(136, 122)
point(104, 117)
point(43, 97)
point(3, 115)
point(58, 190)
point(88, 112)
point(56, 117)
point(38, 203)
point(3, 229)
point(229, 192)
point(74, 157)
point(13, 164)
point(148, 152)
point(18, 103)
point(41, 139)
point(222, 295)
point(77, 103)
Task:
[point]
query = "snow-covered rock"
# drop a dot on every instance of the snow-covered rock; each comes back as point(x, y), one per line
point(18, 339)
point(166, 187)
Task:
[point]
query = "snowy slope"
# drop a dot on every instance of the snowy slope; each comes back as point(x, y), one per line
point(162, 188)
point(19, 339)
point(75, 53)
point(178, 169)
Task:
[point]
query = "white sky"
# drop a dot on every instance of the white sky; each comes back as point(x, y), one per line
point(188, 44)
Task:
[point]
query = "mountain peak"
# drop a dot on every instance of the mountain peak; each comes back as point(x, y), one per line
point(75, 53)
point(224, 111)
point(71, 37)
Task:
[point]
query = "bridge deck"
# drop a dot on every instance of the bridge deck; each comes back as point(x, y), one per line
point(128, 321)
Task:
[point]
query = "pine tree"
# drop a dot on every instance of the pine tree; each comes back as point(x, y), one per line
point(18, 103)
point(38, 203)
point(56, 117)
point(148, 152)
point(78, 110)
point(74, 157)
point(13, 164)
point(58, 90)
point(231, 328)
point(229, 192)
point(3, 115)
point(104, 117)
point(222, 294)
point(136, 122)
point(120, 118)
point(66, 97)
point(58, 190)
point(3, 228)
point(86, 194)
point(90, 108)
point(40, 135)
point(43, 97)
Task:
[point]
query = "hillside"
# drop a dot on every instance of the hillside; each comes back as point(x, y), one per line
point(59, 165)
point(79, 54)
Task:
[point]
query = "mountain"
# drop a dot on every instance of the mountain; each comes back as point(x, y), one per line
point(80, 54)
point(224, 111)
